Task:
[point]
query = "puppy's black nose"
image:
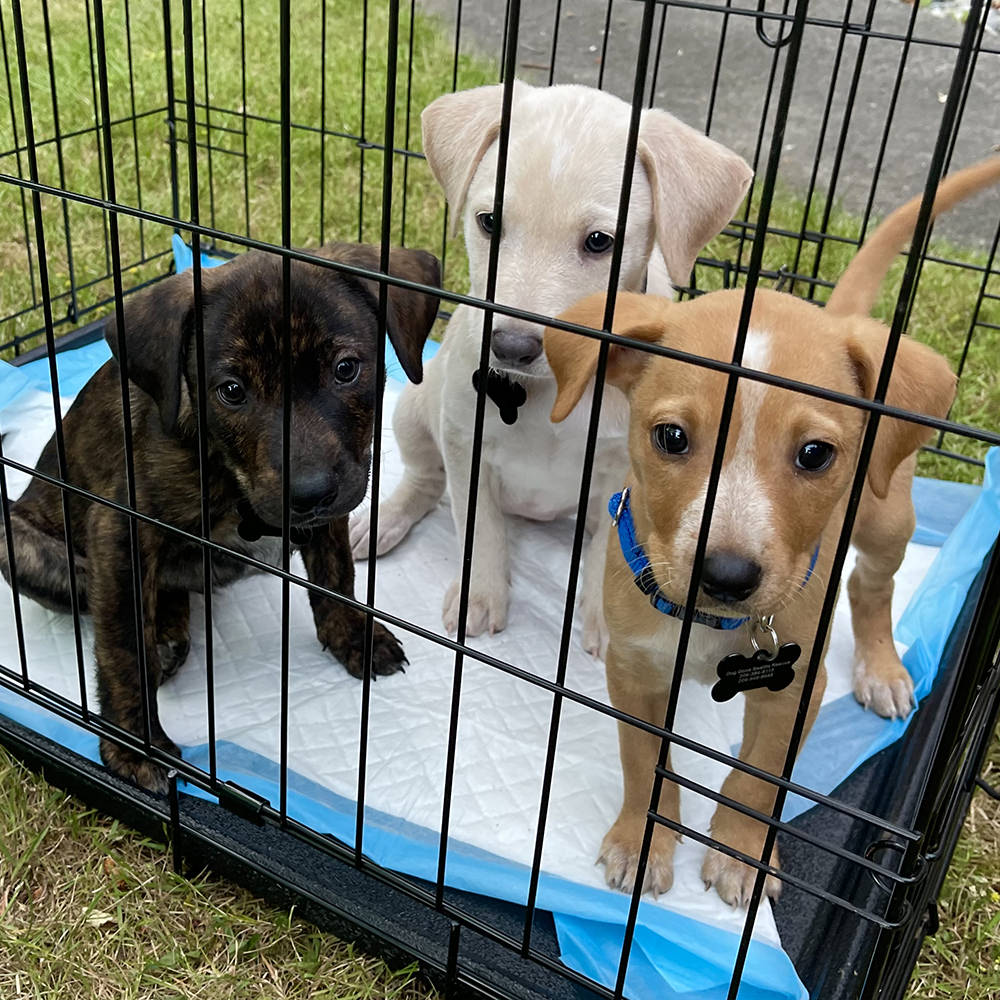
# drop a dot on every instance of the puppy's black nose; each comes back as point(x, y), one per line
point(312, 490)
point(728, 577)
point(514, 347)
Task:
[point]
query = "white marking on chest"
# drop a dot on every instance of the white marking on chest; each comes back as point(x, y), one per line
point(706, 646)
point(538, 463)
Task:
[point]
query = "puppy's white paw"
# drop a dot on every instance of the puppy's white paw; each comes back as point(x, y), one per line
point(733, 880)
point(887, 689)
point(595, 632)
point(393, 526)
point(487, 610)
point(620, 856)
point(359, 529)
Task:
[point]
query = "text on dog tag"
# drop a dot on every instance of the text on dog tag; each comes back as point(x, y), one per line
point(738, 672)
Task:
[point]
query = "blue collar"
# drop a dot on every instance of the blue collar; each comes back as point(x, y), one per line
point(642, 570)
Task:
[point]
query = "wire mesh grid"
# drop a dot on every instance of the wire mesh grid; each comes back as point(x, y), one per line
point(240, 148)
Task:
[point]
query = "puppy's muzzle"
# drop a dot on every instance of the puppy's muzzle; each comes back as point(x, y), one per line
point(515, 348)
point(728, 577)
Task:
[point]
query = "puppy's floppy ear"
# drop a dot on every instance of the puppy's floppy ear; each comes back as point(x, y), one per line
point(921, 382)
point(697, 186)
point(157, 324)
point(410, 314)
point(457, 130)
point(573, 357)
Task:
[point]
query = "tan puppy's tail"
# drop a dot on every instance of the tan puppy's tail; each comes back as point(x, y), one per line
point(858, 287)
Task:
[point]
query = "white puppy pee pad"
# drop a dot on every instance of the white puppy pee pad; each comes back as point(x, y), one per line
point(685, 942)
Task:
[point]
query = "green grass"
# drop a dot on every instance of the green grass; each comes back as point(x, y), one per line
point(88, 909)
point(963, 959)
point(343, 201)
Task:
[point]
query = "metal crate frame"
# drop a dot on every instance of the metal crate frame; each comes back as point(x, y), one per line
point(466, 944)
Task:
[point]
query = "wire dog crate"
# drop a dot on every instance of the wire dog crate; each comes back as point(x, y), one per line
point(238, 126)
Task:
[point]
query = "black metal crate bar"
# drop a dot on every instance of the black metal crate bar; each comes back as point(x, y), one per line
point(863, 867)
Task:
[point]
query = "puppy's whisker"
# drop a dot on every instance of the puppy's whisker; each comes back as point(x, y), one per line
point(792, 592)
point(663, 571)
point(634, 550)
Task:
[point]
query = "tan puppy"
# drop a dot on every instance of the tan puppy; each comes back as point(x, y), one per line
point(789, 462)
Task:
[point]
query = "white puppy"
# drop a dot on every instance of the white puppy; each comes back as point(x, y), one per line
point(564, 171)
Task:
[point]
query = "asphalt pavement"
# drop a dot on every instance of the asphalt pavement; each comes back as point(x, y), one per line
point(872, 143)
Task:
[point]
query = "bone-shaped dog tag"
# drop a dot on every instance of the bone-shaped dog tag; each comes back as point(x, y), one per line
point(761, 669)
point(507, 394)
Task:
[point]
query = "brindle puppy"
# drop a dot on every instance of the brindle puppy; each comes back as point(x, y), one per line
point(333, 344)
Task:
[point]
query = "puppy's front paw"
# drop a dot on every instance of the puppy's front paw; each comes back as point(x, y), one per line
point(620, 856)
point(348, 646)
point(387, 654)
point(359, 530)
point(393, 527)
point(172, 654)
point(884, 685)
point(173, 635)
point(732, 879)
point(595, 632)
point(487, 611)
point(134, 767)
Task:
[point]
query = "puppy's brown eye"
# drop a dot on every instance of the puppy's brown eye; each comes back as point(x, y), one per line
point(670, 439)
point(598, 243)
point(485, 220)
point(815, 456)
point(347, 370)
point(231, 393)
